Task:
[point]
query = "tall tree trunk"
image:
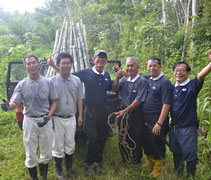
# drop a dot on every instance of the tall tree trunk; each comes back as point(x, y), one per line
point(194, 15)
point(165, 33)
point(185, 6)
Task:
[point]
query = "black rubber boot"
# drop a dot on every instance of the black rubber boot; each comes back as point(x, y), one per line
point(43, 171)
point(58, 163)
point(68, 161)
point(178, 164)
point(33, 173)
point(191, 168)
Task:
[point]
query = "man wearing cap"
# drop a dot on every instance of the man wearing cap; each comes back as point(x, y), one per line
point(97, 82)
point(35, 92)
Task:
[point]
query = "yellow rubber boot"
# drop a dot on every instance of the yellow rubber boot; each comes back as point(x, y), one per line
point(157, 168)
point(150, 161)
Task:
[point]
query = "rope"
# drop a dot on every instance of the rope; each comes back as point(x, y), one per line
point(124, 137)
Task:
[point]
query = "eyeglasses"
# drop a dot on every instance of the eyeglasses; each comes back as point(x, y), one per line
point(179, 70)
point(31, 63)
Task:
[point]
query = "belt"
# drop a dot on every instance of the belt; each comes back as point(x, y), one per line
point(38, 116)
point(65, 117)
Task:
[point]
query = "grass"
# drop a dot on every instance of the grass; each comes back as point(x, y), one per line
point(12, 157)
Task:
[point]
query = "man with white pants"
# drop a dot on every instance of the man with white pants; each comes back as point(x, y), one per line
point(35, 92)
point(70, 94)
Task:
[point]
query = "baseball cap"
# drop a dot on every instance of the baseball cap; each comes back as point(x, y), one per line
point(98, 52)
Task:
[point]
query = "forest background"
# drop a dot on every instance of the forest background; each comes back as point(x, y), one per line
point(173, 30)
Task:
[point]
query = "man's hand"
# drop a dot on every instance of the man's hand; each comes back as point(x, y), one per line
point(46, 118)
point(116, 68)
point(50, 62)
point(156, 129)
point(120, 113)
point(80, 121)
point(5, 105)
point(209, 53)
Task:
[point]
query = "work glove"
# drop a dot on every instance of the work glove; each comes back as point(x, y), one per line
point(46, 118)
point(5, 105)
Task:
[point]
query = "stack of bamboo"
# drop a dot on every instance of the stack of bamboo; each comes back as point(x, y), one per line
point(71, 39)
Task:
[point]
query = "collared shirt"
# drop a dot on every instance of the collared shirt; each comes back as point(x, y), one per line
point(184, 106)
point(160, 91)
point(96, 86)
point(183, 83)
point(93, 68)
point(135, 89)
point(69, 91)
point(35, 95)
point(134, 79)
point(158, 77)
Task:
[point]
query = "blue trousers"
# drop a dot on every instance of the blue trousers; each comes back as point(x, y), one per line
point(184, 141)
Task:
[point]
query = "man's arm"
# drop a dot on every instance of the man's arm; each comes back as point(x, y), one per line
point(206, 70)
point(164, 112)
point(52, 64)
point(53, 107)
point(131, 107)
point(119, 74)
point(80, 111)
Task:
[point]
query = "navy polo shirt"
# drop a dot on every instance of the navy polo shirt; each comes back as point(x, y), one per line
point(133, 90)
point(96, 86)
point(160, 91)
point(184, 106)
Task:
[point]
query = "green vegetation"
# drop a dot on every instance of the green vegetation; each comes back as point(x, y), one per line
point(12, 157)
point(122, 28)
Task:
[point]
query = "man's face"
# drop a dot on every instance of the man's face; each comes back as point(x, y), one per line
point(132, 69)
point(153, 68)
point(180, 73)
point(32, 66)
point(65, 67)
point(100, 62)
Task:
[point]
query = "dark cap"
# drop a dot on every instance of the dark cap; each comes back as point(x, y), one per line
point(100, 52)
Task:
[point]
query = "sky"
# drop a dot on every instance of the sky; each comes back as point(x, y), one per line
point(21, 5)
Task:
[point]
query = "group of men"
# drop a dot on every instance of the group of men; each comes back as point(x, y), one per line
point(146, 99)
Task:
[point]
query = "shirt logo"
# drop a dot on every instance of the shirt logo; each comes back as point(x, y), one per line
point(184, 89)
point(153, 87)
point(106, 79)
point(134, 91)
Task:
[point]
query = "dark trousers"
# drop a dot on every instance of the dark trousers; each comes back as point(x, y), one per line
point(153, 145)
point(96, 130)
point(131, 141)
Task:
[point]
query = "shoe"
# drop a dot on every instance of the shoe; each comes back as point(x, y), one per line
point(157, 168)
point(150, 161)
point(90, 170)
point(99, 168)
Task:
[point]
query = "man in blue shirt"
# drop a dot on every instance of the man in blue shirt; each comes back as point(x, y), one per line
point(134, 91)
point(97, 82)
point(156, 109)
point(183, 132)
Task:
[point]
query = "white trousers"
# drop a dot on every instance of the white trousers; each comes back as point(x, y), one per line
point(34, 137)
point(64, 136)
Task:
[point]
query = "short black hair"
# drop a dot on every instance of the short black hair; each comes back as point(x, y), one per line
point(28, 57)
point(188, 69)
point(64, 55)
point(155, 59)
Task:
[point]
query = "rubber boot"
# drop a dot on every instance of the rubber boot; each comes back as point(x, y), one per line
point(58, 164)
point(157, 168)
point(178, 164)
point(33, 173)
point(68, 161)
point(150, 161)
point(191, 168)
point(43, 171)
